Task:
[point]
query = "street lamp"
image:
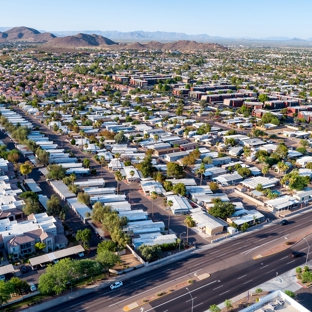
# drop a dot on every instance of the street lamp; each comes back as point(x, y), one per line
point(191, 297)
point(180, 241)
point(308, 250)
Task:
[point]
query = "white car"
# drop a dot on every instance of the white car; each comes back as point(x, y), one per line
point(32, 287)
point(2, 278)
point(116, 285)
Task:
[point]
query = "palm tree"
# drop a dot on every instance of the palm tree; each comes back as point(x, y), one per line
point(189, 222)
point(102, 162)
point(153, 195)
point(118, 178)
point(265, 170)
point(156, 137)
point(201, 170)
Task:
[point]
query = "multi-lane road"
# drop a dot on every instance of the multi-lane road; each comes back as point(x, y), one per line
point(231, 265)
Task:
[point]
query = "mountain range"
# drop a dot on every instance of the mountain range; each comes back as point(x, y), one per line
point(83, 40)
point(137, 39)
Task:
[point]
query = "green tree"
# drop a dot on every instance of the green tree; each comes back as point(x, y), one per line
point(263, 98)
point(213, 186)
point(29, 194)
point(146, 166)
point(57, 277)
point(83, 236)
point(221, 209)
point(282, 150)
point(40, 246)
point(207, 160)
point(56, 172)
point(244, 172)
point(168, 186)
point(265, 170)
point(295, 181)
point(259, 187)
point(107, 245)
point(84, 198)
point(189, 222)
point(179, 188)
point(201, 170)
point(18, 286)
point(150, 253)
point(304, 143)
point(244, 227)
point(107, 259)
point(5, 292)
point(26, 168)
point(54, 206)
point(174, 170)
point(120, 138)
point(86, 162)
point(31, 206)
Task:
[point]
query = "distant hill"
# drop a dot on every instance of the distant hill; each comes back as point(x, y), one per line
point(81, 40)
point(25, 34)
point(181, 45)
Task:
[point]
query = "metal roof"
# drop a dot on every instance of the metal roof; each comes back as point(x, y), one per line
point(55, 255)
point(6, 269)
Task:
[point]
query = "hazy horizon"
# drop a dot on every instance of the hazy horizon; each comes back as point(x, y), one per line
point(239, 19)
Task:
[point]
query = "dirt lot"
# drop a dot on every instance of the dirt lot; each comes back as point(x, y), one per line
point(127, 261)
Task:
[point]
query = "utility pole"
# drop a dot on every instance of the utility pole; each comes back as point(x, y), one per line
point(191, 299)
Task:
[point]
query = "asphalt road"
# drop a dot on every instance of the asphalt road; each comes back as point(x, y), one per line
point(230, 262)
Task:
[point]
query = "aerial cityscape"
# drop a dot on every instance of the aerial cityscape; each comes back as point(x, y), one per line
point(156, 157)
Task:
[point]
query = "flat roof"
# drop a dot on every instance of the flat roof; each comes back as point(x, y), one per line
point(56, 255)
point(6, 269)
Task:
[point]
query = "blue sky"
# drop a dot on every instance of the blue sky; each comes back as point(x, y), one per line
point(226, 18)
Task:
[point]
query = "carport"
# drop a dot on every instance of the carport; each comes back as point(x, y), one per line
point(56, 255)
point(6, 269)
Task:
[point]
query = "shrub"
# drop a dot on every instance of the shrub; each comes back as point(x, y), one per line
point(298, 270)
point(289, 293)
point(191, 281)
point(258, 291)
point(306, 268)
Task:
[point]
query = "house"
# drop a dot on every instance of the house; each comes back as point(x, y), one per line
point(285, 202)
point(228, 179)
point(207, 223)
point(186, 182)
point(253, 182)
point(81, 209)
point(131, 174)
point(149, 185)
point(19, 239)
point(143, 227)
point(180, 205)
point(243, 216)
point(154, 239)
point(302, 162)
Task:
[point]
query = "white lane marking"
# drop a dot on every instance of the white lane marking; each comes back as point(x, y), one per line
point(218, 287)
point(248, 281)
point(224, 293)
point(194, 265)
point(140, 280)
point(291, 262)
point(222, 255)
point(242, 276)
point(191, 299)
point(186, 294)
point(250, 250)
point(284, 257)
point(236, 244)
point(198, 304)
point(75, 304)
point(154, 287)
point(264, 267)
point(84, 309)
point(270, 271)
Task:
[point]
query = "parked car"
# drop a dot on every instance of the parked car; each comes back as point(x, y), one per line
point(32, 287)
point(23, 269)
point(116, 285)
point(295, 254)
point(284, 222)
point(2, 278)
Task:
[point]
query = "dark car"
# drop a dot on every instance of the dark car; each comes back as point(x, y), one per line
point(295, 254)
point(284, 222)
point(23, 269)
